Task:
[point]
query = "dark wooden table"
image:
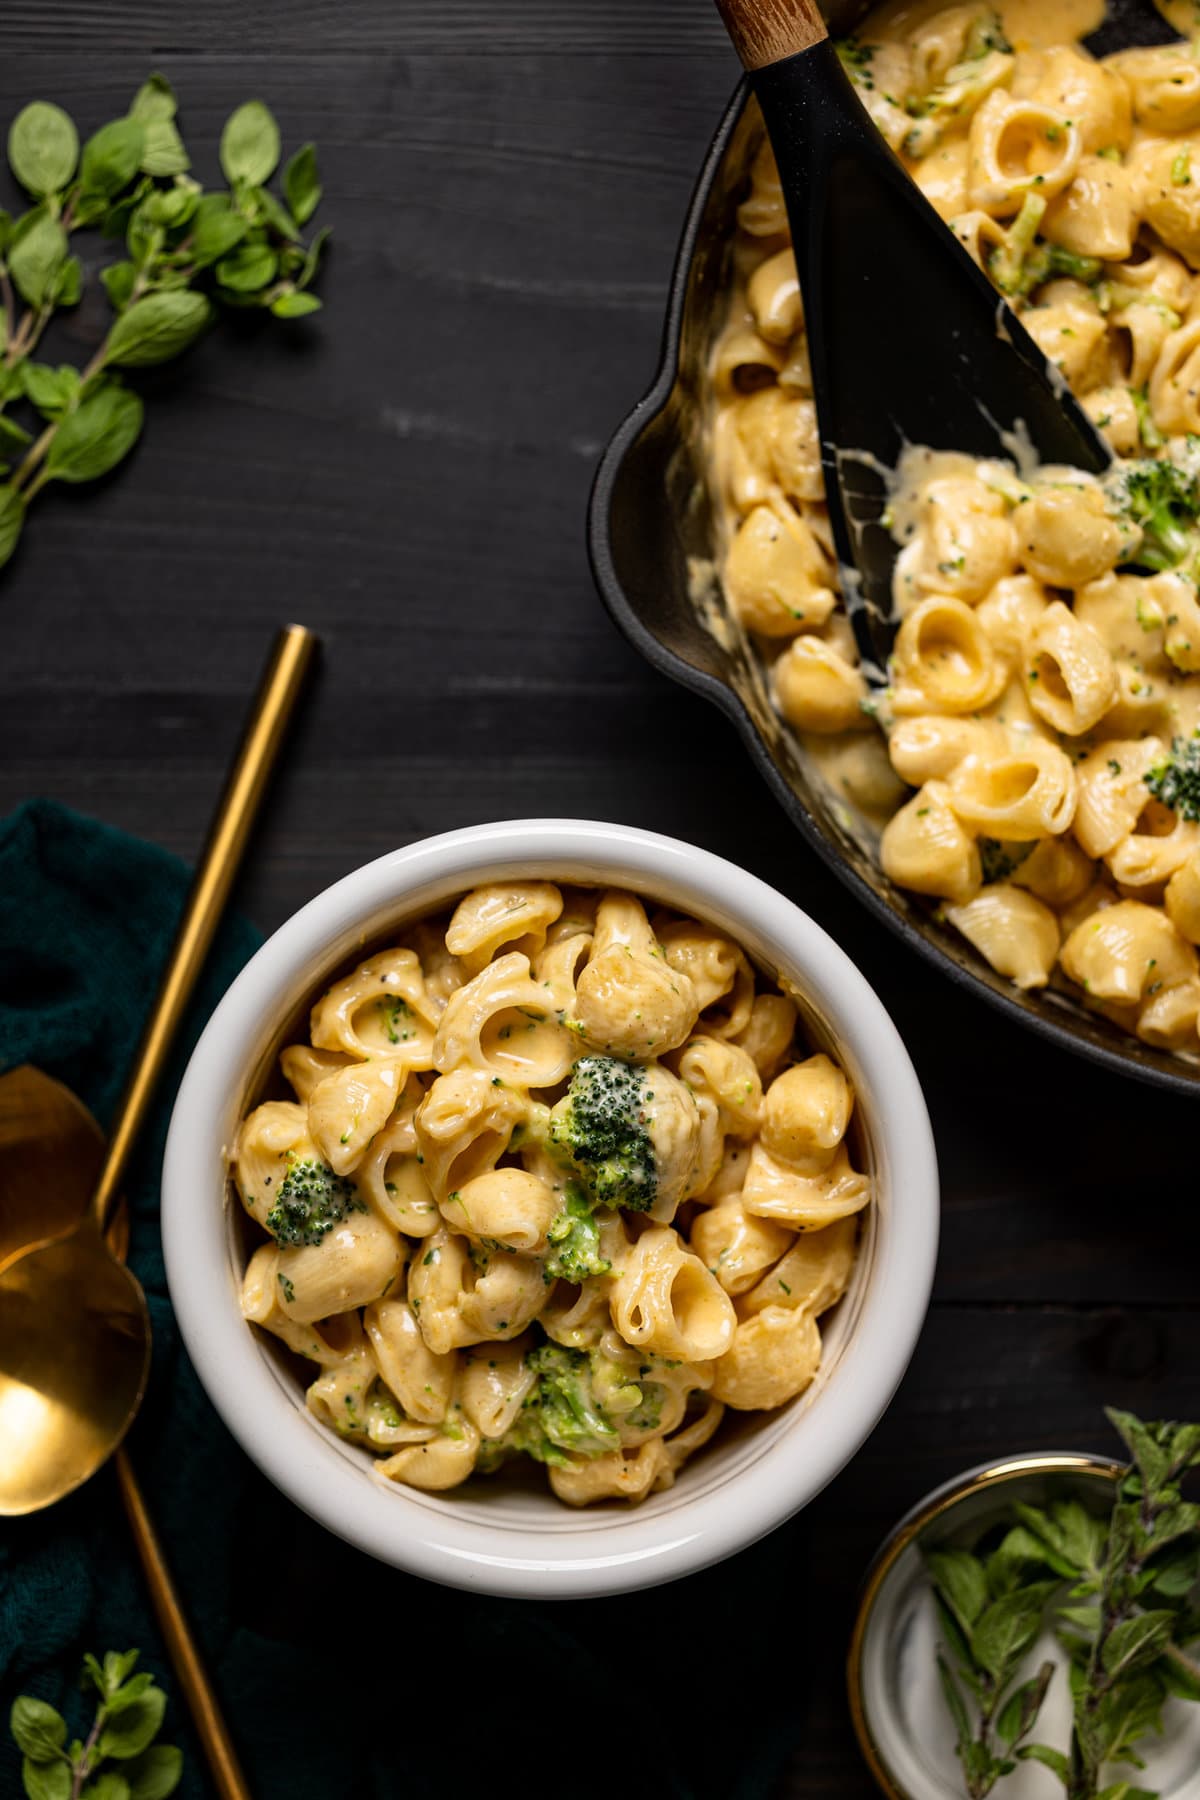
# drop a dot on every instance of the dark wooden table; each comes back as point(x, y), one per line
point(409, 475)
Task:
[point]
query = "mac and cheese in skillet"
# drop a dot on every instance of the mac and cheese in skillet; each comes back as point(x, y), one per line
point(1038, 773)
point(558, 1180)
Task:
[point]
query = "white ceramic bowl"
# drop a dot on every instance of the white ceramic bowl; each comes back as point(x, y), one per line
point(514, 1539)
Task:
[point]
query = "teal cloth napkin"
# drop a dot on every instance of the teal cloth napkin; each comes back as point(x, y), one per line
point(342, 1680)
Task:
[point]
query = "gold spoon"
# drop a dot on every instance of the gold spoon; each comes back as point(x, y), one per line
point(74, 1329)
point(51, 1154)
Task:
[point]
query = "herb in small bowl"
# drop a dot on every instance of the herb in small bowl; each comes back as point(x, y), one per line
point(1120, 1596)
point(1033, 1626)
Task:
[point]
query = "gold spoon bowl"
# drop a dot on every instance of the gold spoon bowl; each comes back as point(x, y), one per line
point(74, 1358)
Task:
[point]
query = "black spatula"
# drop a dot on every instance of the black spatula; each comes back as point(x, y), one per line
point(909, 341)
point(1127, 23)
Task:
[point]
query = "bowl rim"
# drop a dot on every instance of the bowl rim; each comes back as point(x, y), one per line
point(941, 1500)
point(711, 687)
point(607, 1553)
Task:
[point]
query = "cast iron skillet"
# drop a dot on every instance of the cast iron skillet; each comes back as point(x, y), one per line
point(651, 536)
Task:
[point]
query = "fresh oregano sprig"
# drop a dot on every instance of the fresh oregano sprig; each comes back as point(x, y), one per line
point(1121, 1596)
point(118, 1759)
point(1127, 1626)
point(991, 1615)
point(187, 253)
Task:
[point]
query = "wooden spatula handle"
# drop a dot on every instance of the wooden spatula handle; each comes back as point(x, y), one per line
point(767, 31)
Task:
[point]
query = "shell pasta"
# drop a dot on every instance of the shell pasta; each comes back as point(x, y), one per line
point(558, 1181)
point(1033, 765)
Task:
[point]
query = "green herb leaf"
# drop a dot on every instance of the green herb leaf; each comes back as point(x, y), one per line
point(131, 1730)
point(960, 1579)
point(1178, 1673)
point(1018, 1551)
point(250, 145)
point(172, 207)
point(130, 1691)
point(1171, 1524)
point(43, 148)
point(12, 436)
point(1009, 1627)
point(1049, 1758)
point(46, 1781)
point(954, 1701)
point(1121, 1717)
point(106, 1786)
point(312, 261)
point(118, 1667)
point(1083, 1617)
point(164, 153)
point(1136, 1643)
point(145, 235)
point(216, 230)
point(956, 1643)
point(249, 269)
point(154, 101)
point(68, 283)
point(1068, 1545)
point(276, 216)
point(40, 1732)
point(979, 1767)
point(157, 328)
point(12, 517)
point(295, 306)
point(118, 281)
point(1020, 1710)
point(156, 1773)
point(93, 439)
point(37, 254)
point(115, 219)
point(112, 157)
point(301, 188)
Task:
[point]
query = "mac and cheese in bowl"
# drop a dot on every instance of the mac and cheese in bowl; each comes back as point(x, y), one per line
point(1038, 772)
point(736, 957)
point(559, 1180)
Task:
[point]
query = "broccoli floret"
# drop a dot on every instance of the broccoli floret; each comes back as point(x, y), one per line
point(1175, 781)
point(1009, 262)
point(571, 1417)
point(600, 1128)
point(1048, 261)
point(647, 1414)
point(570, 1410)
point(575, 1240)
point(1000, 859)
point(962, 87)
point(309, 1202)
point(1023, 262)
point(560, 1417)
point(986, 34)
point(856, 59)
point(1148, 431)
point(1164, 501)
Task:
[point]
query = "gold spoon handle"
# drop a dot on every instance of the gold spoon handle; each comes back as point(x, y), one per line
point(207, 1717)
point(269, 719)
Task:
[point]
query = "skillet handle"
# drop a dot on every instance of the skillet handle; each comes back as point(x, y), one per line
point(768, 31)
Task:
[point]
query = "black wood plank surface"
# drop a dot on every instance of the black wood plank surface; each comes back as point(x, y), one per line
point(408, 474)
